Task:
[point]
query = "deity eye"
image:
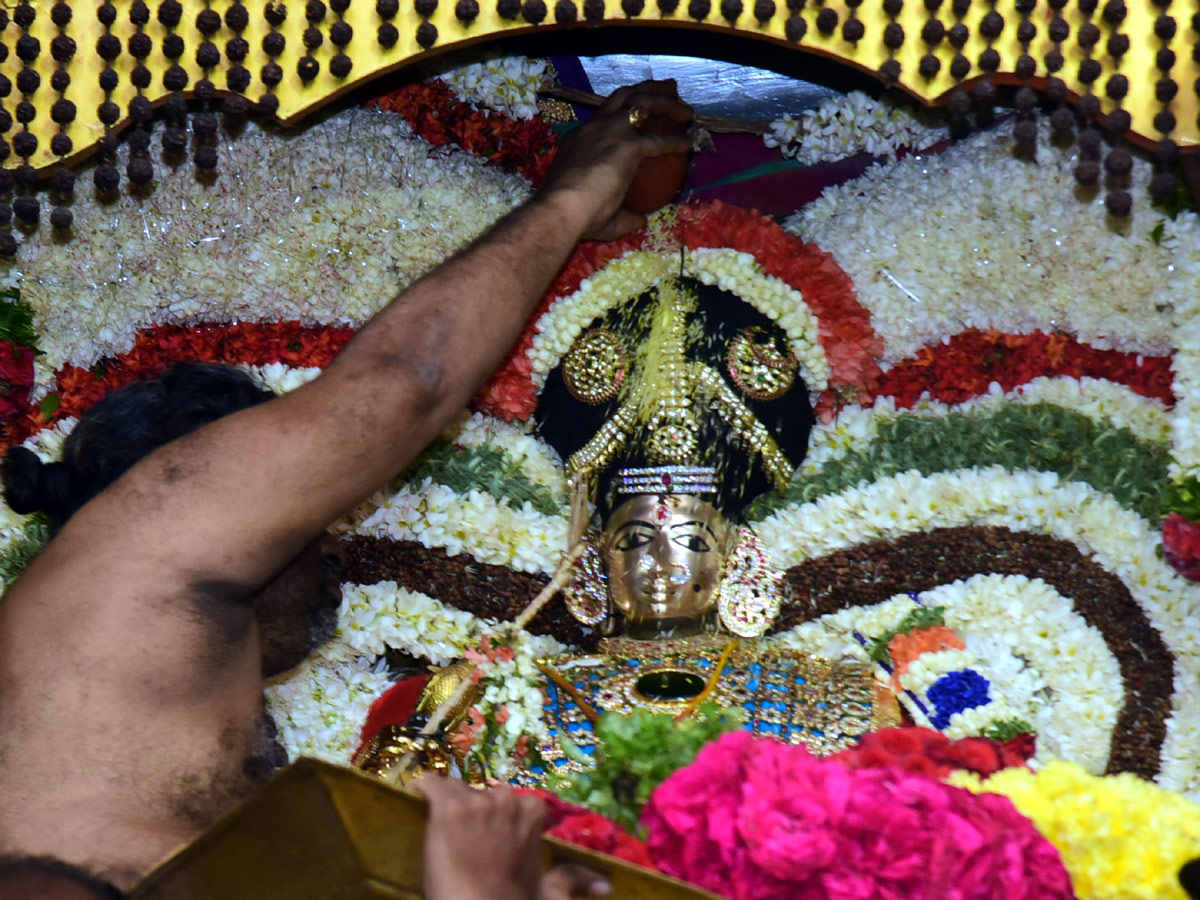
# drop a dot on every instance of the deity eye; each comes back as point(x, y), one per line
point(693, 542)
point(758, 367)
point(631, 538)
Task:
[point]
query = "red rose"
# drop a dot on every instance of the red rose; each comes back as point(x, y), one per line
point(596, 832)
point(901, 741)
point(1018, 751)
point(977, 755)
point(1181, 545)
point(16, 378)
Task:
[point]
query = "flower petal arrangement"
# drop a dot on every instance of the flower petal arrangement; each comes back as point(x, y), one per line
point(997, 513)
point(753, 819)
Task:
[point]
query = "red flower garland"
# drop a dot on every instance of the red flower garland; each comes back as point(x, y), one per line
point(850, 343)
point(923, 751)
point(16, 380)
point(439, 117)
point(582, 826)
point(845, 333)
point(969, 362)
point(154, 349)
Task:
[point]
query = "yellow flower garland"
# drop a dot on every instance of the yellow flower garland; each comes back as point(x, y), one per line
point(1121, 838)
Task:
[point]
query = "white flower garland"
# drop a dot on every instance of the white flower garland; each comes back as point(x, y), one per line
point(533, 457)
point(320, 707)
point(1104, 402)
point(325, 226)
point(1044, 663)
point(1119, 540)
point(740, 275)
point(623, 278)
point(490, 530)
point(281, 378)
point(843, 126)
point(908, 232)
point(1178, 239)
point(636, 271)
point(508, 84)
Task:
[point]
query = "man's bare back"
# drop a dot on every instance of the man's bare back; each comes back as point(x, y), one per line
point(131, 652)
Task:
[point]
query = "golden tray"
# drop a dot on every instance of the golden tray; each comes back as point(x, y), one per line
point(319, 832)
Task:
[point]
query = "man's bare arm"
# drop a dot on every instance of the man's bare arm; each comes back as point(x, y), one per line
point(235, 500)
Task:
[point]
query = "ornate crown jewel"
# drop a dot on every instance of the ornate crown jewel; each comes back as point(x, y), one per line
point(658, 397)
point(698, 480)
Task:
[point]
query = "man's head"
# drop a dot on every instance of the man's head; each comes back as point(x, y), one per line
point(295, 610)
point(119, 430)
point(43, 878)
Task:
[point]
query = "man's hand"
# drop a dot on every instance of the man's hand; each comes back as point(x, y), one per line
point(596, 162)
point(483, 845)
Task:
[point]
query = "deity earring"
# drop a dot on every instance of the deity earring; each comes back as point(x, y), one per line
point(752, 591)
point(586, 593)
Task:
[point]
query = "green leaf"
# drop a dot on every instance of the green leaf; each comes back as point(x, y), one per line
point(635, 753)
point(482, 468)
point(1037, 436)
point(1156, 233)
point(16, 320)
point(50, 404)
point(19, 553)
point(1183, 497)
point(1007, 729)
point(921, 617)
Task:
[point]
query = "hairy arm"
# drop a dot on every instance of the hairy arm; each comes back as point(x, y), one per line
point(129, 676)
point(234, 501)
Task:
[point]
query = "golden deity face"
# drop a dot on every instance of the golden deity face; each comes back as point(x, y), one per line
point(663, 555)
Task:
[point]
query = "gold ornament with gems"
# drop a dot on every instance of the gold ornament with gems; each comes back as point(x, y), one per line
point(595, 367)
point(757, 366)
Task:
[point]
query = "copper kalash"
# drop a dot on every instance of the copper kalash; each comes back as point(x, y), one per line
point(674, 413)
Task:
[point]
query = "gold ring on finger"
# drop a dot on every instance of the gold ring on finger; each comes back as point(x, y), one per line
point(637, 115)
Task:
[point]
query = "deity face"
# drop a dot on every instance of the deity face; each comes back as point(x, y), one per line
point(662, 555)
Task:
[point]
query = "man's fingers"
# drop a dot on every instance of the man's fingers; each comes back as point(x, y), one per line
point(662, 144)
point(624, 96)
point(531, 814)
point(568, 880)
point(659, 104)
point(617, 98)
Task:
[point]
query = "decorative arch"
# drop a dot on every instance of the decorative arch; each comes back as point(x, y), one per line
point(289, 59)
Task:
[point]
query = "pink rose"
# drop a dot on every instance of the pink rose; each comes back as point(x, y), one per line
point(755, 819)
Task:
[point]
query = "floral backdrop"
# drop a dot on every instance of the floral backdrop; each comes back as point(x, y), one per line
point(1008, 386)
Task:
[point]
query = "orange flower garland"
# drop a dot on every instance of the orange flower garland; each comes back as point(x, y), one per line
point(850, 344)
point(905, 648)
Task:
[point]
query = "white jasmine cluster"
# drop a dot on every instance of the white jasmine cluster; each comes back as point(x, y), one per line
point(508, 84)
point(323, 226)
point(843, 126)
point(976, 238)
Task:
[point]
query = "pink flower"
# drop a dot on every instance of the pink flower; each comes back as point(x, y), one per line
point(754, 819)
point(1181, 545)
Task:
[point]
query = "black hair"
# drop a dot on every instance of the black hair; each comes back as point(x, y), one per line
point(1189, 879)
point(34, 877)
point(121, 429)
point(567, 424)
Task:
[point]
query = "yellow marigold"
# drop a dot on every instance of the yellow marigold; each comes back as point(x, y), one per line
point(1121, 838)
